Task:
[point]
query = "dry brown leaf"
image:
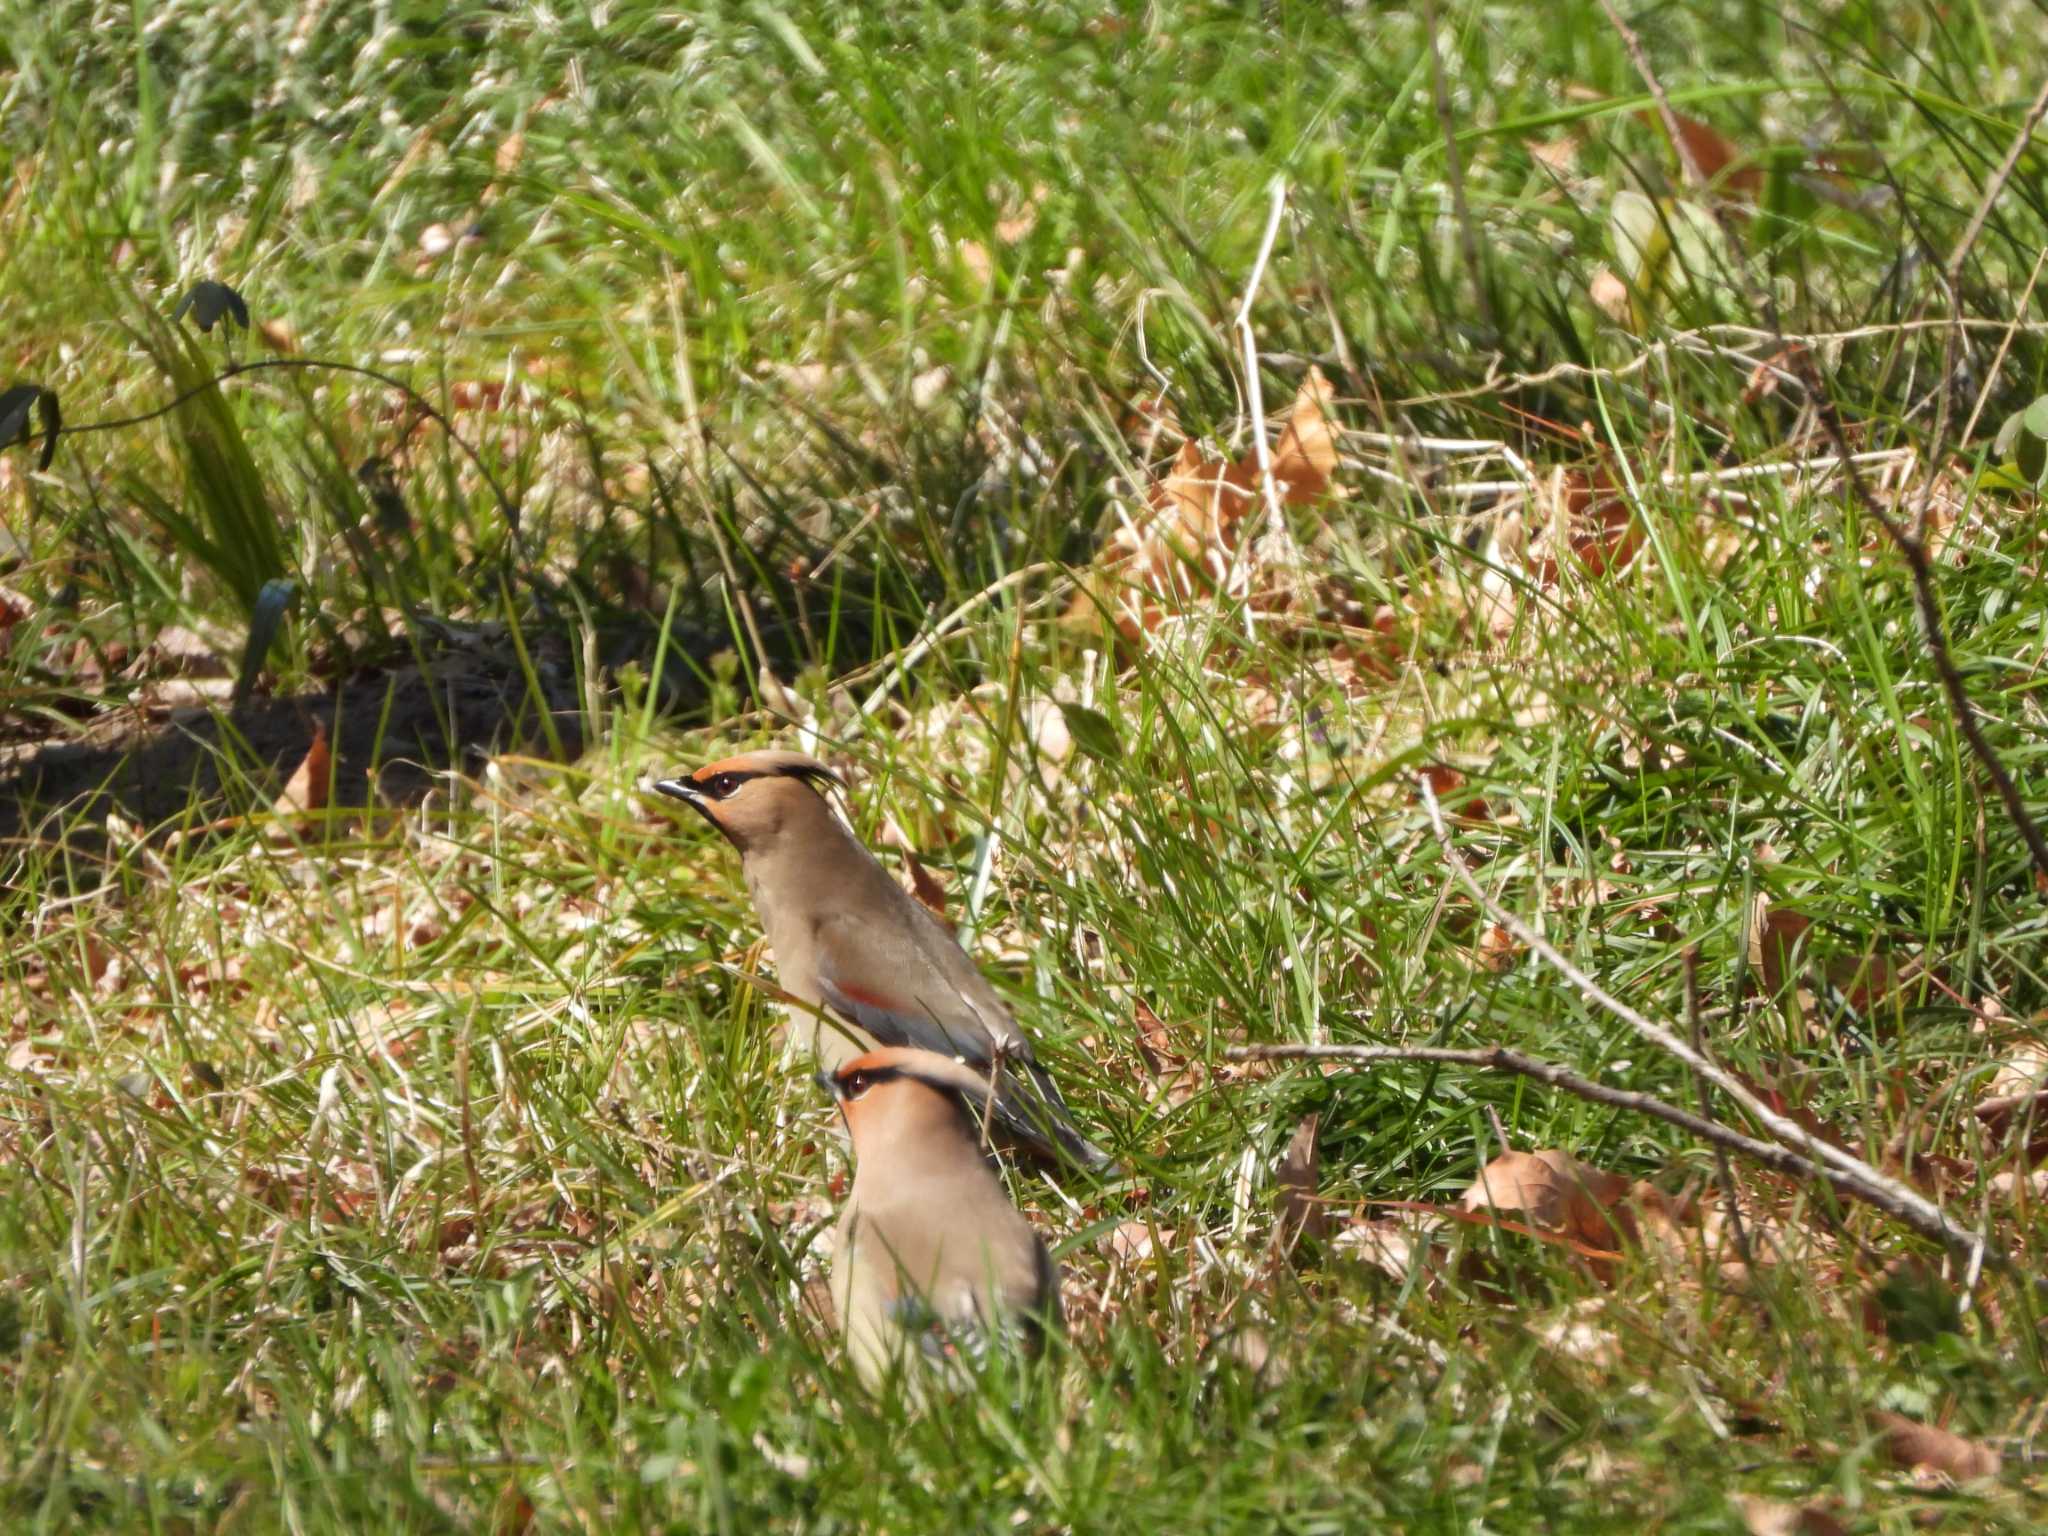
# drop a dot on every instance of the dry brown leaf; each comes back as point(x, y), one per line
point(1713, 153)
point(1301, 1211)
point(278, 335)
point(1498, 950)
point(1774, 1517)
point(306, 789)
point(1395, 1246)
point(1553, 1191)
point(1775, 933)
point(924, 885)
point(1137, 1242)
point(1306, 456)
point(1189, 543)
point(1925, 1446)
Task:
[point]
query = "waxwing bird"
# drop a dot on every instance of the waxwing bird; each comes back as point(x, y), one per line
point(870, 964)
point(933, 1261)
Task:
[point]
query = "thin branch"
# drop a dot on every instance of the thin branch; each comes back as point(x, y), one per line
point(1874, 1187)
point(419, 401)
point(1912, 544)
point(1914, 550)
point(1634, 45)
point(1772, 1155)
point(1952, 280)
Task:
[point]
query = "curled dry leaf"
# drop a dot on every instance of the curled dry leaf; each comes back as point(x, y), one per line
point(1188, 543)
point(1305, 458)
point(924, 885)
point(1553, 1192)
point(306, 789)
point(1724, 166)
point(1396, 1246)
point(1137, 1242)
point(1926, 1448)
point(1498, 950)
point(1301, 1210)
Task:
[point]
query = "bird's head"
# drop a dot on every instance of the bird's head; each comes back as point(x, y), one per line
point(901, 1092)
point(753, 798)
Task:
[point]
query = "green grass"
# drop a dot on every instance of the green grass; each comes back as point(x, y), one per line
point(438, 1170)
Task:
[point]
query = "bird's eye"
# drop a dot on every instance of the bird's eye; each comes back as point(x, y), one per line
point(857, 1083)
point(719, 785)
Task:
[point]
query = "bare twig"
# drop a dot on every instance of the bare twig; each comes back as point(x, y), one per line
point(1912, 544)
point(1772, 1155)
point(2012, 329)
point(1922, 1214)
point(1952, 280)
point(1914, 550)
point(413, 397)
point(1634, 46)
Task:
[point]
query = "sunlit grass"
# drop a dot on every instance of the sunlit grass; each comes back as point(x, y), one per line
point(439, 1170)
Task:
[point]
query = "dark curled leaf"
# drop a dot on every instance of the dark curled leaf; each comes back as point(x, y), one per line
point(53, 423)
point(15, 405)
point(1092, 732)
point(264, 622)
point(208, 301)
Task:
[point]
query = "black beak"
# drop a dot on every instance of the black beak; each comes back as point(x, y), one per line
point(680, 789)
point(690, 795)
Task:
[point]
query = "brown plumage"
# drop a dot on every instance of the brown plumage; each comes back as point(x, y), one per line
point(872, 965)
point(932, 1257)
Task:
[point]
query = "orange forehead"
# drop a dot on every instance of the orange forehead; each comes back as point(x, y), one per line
point(744, 763)
point(885, 1059)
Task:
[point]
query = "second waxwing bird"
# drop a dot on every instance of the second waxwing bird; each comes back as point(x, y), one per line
point(933, 1262)
point(871, 963)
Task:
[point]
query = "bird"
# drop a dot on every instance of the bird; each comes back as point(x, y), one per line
point(868, 964)
point(933, 1263)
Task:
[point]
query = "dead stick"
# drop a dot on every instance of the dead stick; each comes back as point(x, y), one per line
point(1772, 1155)
point(1952, 280)
point(1911, 544)
point(1914, 550)
point(1876, 1188)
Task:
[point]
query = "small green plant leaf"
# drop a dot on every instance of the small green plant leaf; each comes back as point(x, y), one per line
point(208, 301)
point(265, 619)
point(53, 423)
point(2036, 418)
point(16, 403)
point(1092, 732)
point(2023, 440)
